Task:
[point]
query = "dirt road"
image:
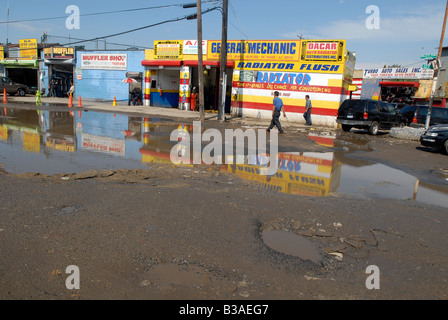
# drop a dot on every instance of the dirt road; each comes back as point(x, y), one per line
point(196, 232)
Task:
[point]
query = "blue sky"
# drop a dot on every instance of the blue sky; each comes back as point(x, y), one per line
point(407, 29)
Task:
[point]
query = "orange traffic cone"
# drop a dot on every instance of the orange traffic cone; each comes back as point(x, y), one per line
point(70, 101)
point(79, 103)
point(115, 102)
point(5, 98)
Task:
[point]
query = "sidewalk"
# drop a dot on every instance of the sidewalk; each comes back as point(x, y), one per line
point(122, 107)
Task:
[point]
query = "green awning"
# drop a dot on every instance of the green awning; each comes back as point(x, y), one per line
point(20, 63)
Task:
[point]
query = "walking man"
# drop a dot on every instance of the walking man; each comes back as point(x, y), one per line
point(277, 109)
point(307, 114)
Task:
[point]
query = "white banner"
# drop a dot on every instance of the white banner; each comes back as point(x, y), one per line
point(191, 46)
point(109, 61)
point(398, 73)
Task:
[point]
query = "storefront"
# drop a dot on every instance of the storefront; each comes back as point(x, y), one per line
point(172, 78)
point(22, 64)
point(57, 74)
point(104, 75)
point(322, 69)
point(402, 86)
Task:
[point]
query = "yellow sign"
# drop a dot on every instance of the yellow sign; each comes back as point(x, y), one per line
point(290, 66)
point(3, 133)
point(31, 142)
point(323, 50)
point(28, 49)
point(168, 49)
point(2, 53)
point(243, 50)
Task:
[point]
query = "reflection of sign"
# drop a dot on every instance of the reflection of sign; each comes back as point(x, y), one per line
point(59, 53)
point(3, 133)
point(398, 73)
point(28, 49)
point(103, 144)
point(191, 47)
point(323, 50)
point(276, 50)
point(168, 49)
point(305, 174)
point(31, 142)
point(113, 61)
point(60, 145)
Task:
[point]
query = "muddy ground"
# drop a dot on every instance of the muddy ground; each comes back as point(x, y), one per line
point(195, 233)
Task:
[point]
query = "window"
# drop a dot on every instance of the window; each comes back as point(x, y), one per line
point(372, 107)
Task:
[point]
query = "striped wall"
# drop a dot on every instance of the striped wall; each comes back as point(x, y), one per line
point(357, 94)
point(253, 98)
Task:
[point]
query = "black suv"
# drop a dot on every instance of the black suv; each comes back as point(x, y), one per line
point(369, 114)
point(417, 114)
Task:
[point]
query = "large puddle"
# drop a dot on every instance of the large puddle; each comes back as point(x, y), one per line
point(51, 142)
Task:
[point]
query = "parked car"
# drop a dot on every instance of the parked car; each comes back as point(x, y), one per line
point(12, 87)
point(369, 114)
point(417, 114)
point(436, 137)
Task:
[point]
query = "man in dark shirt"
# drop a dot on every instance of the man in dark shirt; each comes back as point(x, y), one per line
point(307, 114)
point(277, 109)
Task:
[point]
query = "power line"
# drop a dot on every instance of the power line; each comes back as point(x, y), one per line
point(144, 27)
point(94, 14)
point(189, 17)
point(111, 43)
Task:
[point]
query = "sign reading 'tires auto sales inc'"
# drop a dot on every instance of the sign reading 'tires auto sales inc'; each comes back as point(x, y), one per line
point(109, 61)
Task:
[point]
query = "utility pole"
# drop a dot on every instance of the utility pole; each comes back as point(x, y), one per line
point(200, 63)
point(223, 69)
point(436, 71)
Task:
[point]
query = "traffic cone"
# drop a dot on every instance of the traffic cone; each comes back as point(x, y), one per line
point(115, 102)
point(79, 103)
point(70, 101)
point(5, 98)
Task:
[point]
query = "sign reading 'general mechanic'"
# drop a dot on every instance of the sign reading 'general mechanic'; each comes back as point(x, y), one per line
point(109, 61)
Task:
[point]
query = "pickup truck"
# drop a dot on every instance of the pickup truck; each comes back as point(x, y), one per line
point(12, 87)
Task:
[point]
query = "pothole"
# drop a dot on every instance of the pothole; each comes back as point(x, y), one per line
point(292, 244)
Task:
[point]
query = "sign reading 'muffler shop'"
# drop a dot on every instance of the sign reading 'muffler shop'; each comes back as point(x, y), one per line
point(109, 61)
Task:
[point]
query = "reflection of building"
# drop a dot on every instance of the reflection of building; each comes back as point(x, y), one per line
point(156, 147)
point(107, 133)
point(311, 174)
point(61, 132)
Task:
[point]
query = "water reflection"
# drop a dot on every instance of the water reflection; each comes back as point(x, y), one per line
point(52, 142)
point(308, 173)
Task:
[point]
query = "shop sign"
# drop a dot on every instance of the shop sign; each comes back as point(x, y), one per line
point(59, 53)
point(398, 73)
point(275, 50)
point(336, 68)
point(191, 47)
point(2, 53)
point(28, 49)
point(323, 50)
point(103, 61)
point(168, 49)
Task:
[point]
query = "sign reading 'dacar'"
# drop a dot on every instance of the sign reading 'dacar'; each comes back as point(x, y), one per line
point(104, 61)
